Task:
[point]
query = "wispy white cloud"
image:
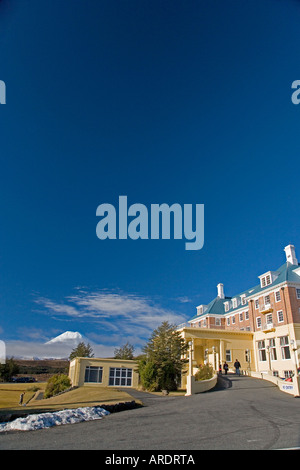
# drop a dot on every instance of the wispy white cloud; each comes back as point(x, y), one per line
point(107, 307)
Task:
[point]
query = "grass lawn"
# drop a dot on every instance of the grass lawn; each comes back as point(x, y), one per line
point(10, 393)
point(82, 396)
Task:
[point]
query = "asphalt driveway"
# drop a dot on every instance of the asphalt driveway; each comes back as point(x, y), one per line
point(241, 413)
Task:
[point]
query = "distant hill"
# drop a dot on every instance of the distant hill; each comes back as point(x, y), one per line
point(42, 369)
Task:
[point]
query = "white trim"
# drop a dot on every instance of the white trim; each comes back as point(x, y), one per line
point(280, 321)
point(275, 292)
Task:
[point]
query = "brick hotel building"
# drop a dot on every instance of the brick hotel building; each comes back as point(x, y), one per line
point(260, 326)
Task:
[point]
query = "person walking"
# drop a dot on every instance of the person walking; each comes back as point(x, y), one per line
point(225, 367)
point(237, 366)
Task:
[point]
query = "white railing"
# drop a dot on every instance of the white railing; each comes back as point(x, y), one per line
point(267, 326)
point(183, 325)
point(267, 306)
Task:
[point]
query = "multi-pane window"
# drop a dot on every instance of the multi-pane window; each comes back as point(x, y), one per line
point(228, 355)
point(258, 322)
point(288, 374)
point(233, 319)
point(285, 348)
point(262, 351)
point(277, 296)
point(298, 293)
point(234, 303)
point(241, 316)
point(280, 316)
point(120, 376)
point(243, 300)
point(218, 321)
point(269, 319)
point(247, 355)
point(267, 300)
point(93, 374)
point(273, 354)
point(247, 315)
point(265, 281)
point(256, 304)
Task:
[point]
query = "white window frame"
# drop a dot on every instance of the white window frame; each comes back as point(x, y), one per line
point(285, 347)
point(241, 316)
point(298, 293)
point(258, 322)
point(117, 375)
point(247, 315)
point(228, 321)
point(269, 319)
point(279, 315)
point(234, 303)
point(273, 352)
point(248, 355)
point(93, 369)
point(262, 353)
point(233, 319)
point(228, 356)
point(256, 303)
point(277, 293)
point(218, 321)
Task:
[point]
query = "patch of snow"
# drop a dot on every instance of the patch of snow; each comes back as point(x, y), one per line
point(56, 418)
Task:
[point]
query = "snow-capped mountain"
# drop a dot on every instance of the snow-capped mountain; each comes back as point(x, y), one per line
point(70, 338)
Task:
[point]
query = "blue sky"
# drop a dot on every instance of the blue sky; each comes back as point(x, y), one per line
point(165, 102)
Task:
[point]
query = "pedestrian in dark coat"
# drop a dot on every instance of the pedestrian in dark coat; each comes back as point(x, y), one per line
point(237, 366)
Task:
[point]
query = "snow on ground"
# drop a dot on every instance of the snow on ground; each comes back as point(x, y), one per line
point(46, 420)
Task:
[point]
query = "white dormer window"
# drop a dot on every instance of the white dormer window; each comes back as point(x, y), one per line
point(201, 309)
point(243, 299)
point(266, 281)
point(267, 278)
point(234, 303)
point(226, 306)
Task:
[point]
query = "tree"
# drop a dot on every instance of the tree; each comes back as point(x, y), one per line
point(56, 384)
point(8, 370)
point(163, 358)
point(124, 352)
point(82, 350)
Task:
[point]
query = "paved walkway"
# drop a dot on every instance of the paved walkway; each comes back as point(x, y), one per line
point(241, 413)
